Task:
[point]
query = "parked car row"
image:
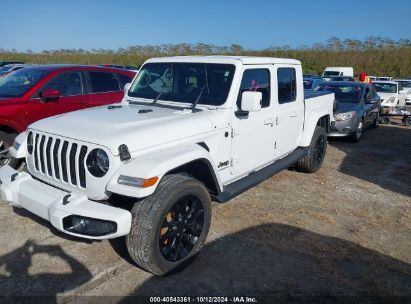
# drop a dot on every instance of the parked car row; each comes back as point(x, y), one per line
point(357, 108)
point(360, 104)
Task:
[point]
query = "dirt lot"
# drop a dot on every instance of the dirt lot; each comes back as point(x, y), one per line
point(345, 230)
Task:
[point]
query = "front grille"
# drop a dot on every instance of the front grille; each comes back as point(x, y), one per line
point(60, 159)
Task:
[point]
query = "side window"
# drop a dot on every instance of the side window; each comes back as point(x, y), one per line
point(123, 79)
point(287, 91)
point(374, 92)
point(103, 82)
point(69, 84)
point(256, 80)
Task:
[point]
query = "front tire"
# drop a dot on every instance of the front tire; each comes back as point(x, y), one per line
point(313, 160)
point(170, 227)
point(376, 121)
point(6, 142)
point(357, 135)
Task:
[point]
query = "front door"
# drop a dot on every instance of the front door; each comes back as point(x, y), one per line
point(253, 135)
point(71, 86)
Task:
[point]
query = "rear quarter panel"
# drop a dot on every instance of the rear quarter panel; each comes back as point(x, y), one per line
point(315, 108)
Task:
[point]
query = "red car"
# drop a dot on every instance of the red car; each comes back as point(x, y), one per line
point(34, 93)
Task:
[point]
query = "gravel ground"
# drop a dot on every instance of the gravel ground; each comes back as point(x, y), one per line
point(345, 230)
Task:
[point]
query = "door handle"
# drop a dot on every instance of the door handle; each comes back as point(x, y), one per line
point(293, 114)
point(269, 122)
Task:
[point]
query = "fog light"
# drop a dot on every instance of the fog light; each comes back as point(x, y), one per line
point(347, 130)
point(88, 226)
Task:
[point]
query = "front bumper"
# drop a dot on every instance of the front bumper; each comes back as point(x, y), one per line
point(57, 206)
point(342, 128)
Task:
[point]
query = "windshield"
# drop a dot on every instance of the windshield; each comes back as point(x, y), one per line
point(184, 82)
point(385, 87)
point(331, 73)
point(405, 84)
point(6, 68)
point(308, 84)
point(19, 82)
point(343, 93)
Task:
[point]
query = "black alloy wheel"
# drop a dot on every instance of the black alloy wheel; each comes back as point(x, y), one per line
point(181, 228)
point(319, 150)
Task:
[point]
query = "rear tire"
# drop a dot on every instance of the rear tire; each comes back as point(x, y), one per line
point(6, 142)
point(170, 227)
point(316, 152)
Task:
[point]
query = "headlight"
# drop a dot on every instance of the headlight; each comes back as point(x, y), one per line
point(30, 143)
point(391, 100)
point(98, 163)
point(344, 116)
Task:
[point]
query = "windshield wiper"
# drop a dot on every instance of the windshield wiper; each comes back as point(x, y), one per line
point(198, 98)
point(159, 94)
point(202, 89)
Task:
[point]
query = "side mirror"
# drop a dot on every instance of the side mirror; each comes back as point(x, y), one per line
point(126, 87)
point(49, 94)
point(251, 101)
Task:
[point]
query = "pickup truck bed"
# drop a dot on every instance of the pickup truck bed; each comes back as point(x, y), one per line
point(308, 94)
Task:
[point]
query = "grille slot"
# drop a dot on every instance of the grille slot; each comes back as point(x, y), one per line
point(36, 154)
point(82, 169)
point(60, 159)
point(73, 152)
point(41, 152)
point(64, 161)
point(55, 158)
point(48, 156)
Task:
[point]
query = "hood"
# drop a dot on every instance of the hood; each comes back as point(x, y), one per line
point(342, 107)
point(137, 126)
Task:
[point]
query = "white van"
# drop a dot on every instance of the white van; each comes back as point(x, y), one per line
point(337, 71)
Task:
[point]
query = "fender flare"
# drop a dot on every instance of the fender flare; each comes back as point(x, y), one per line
point(158, 164)
point(310, 125)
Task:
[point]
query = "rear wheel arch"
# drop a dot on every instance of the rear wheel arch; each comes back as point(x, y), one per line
point(324, 122)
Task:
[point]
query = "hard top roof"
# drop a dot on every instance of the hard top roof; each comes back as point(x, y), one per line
point(226, 59)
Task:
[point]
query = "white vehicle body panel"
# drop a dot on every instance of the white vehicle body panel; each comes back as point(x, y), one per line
point(398, 97)
point(342, 71)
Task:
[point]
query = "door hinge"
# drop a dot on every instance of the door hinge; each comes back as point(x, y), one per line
point(275, 145)
point(276, 121)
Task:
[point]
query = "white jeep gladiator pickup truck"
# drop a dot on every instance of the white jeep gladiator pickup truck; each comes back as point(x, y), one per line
point(188, 131)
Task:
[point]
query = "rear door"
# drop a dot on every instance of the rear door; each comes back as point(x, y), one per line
point(103, 88)
point(253, 135)
point(71, 86)
point(290, 109)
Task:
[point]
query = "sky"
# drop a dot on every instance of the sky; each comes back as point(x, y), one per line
point(255, 24)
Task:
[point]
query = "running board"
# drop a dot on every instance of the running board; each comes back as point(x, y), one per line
point(256, 177)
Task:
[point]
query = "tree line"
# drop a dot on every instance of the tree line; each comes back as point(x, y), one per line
point(374, 55)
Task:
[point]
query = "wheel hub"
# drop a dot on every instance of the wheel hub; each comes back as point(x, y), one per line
point(181, 228)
